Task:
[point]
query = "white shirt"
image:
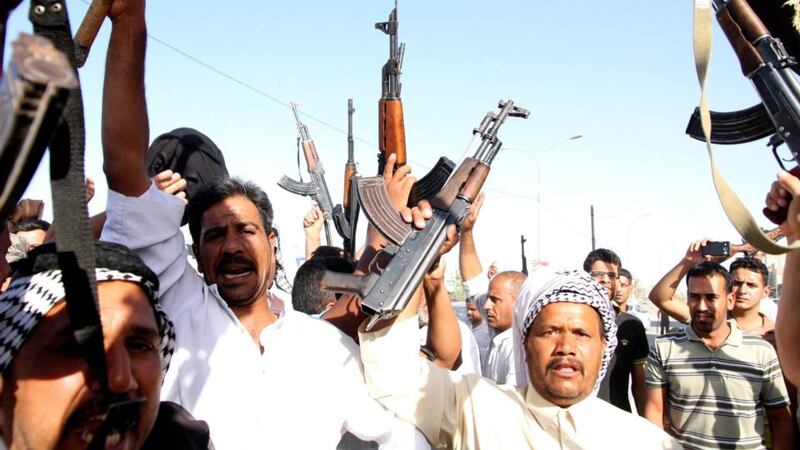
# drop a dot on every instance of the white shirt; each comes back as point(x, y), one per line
point(469, 412)
point(470, 358)
point(500, 359)
point(483, 339)
point(304, 391)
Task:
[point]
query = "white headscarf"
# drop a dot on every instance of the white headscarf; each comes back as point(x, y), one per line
point(542, 288)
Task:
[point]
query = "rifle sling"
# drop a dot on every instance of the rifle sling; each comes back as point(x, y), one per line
point(737, 212)
point(70, 213)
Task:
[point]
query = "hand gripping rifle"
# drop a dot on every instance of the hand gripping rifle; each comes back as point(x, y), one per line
point(347, 212)
point(317, 188)
point(766, 63)
point(391, 124)
point(414, 251)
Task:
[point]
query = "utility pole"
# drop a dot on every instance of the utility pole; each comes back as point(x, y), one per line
point(522, 241)
point(591, 212)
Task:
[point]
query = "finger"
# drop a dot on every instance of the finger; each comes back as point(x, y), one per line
point(789, 182)
point(402, 172)
point(476, 206)
point(405, 213)
point(388, 169)
point(182, 195)
point(163, 176)
point(175, 187)
point(425, 208)
point(418, 218)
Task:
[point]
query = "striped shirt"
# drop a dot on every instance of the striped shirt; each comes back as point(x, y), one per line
point(716, 397)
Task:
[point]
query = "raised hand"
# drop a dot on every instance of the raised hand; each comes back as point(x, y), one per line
point(784, 192)
point(313, 221)
point(172, 183)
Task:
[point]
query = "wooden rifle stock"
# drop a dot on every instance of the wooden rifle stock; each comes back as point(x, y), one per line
point(90, 26)
point(391, 132)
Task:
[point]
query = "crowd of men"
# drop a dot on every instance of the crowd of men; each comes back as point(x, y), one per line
point(203, 351)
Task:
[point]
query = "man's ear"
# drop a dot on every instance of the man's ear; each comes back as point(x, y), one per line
point(731, 301)
point(767, 291)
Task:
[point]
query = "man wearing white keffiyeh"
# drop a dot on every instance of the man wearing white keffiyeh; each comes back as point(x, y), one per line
point(564, 335)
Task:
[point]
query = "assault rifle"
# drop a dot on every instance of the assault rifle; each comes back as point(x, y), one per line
point(413, 252)
point(348, 210)
point(391, 124)
point(317, 188)
point(766, 63)
point(33, 93)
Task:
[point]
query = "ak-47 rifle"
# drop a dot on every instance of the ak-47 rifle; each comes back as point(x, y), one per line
point(766, 63)
point(33, 93)
point(391, 124)
point(347, 212)
point(317, 188)
point(522, 241)
point(413, 251)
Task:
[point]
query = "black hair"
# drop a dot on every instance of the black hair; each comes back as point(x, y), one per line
point(753, 265)
point(601, 254)
point(307, 296)
point(106, 254)
point(327, 251)
point(218, 190)
point(625, 273)
point(30, 225)
point(709, 269)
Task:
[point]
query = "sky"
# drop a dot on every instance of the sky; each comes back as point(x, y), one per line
point(620, 74)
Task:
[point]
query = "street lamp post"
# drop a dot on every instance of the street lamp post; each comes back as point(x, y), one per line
point(538, 159)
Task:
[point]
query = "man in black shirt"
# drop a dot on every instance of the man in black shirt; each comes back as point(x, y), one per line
point(631, 353)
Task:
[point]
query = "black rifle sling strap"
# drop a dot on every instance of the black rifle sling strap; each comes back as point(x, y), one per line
point(70, 213)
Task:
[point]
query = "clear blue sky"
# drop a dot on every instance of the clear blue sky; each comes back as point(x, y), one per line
point(620, 74)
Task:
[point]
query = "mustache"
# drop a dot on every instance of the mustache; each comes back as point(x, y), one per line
point(235, 259)
point(567, 361)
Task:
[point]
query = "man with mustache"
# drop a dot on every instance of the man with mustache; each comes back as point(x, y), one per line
point(715, 383)
point(245, 362)
point(749, 289)
point(563, 334)
point(48, 396)
point(499, 307)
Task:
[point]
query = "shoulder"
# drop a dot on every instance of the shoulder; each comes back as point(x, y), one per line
point(639, 428)
point(676, 337)
point(317, 333)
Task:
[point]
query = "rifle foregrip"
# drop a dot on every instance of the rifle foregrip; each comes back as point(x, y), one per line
point(380, 212)
point(87, 31)
point(428, 186)
point(747, 19)
point(349, 172)
point(392, 130)
point(779, 216)
point(749, 58)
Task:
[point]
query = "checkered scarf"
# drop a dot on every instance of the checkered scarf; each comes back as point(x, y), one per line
point(542, 288)
point(29, 298)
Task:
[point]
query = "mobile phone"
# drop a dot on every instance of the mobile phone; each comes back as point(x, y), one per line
point(716, 248)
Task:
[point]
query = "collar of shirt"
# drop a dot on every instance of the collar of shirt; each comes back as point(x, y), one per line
point(734, 338)
point(547, 413)
point(502, 336)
